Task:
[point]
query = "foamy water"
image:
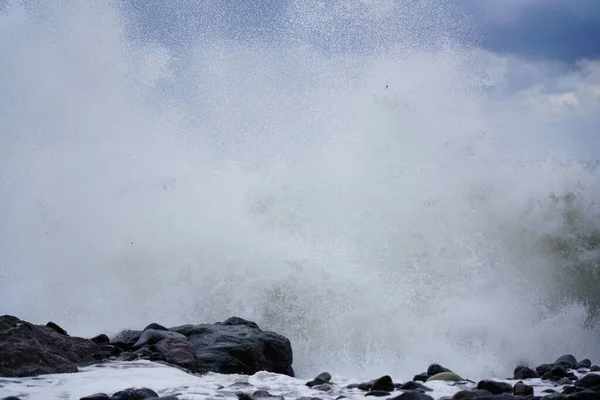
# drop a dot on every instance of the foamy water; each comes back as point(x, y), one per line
point(352, 198)
point(116, 376)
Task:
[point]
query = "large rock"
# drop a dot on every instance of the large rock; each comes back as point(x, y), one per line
point(29, 350)
point(238, 346)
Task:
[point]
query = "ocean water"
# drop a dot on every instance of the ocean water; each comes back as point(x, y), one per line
point(348, 176)
point(164, 380)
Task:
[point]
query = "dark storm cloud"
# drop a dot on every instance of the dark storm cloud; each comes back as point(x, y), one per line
point(562, 30)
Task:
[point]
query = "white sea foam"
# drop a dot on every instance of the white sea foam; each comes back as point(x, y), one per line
point(112, 377)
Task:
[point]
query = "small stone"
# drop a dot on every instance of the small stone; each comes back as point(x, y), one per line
point(323, 377)
point(134, 394)
point(445, 376)
point(422, 377)
point(411, 385)
point(56, 328)
point(97, 396)
point(467, 394)
point(384, 383)
point(101, 339)
point(589, 381)
point(495, 387)
point(567, 361)
point(585, 363)
point(412, 395)
point(522, 389)
point(156, 326)
point(524, 372)
point(378, 393)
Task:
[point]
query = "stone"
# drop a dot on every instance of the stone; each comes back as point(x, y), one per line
point(412, 395)
point(238, 346)
point(595, 368)
point(445, 376)
point(411, 385)
point(29, 350)
point(422, 377)
point(468, 394)
point(494, 387)
point(101, 339)
point(153, 336)
point(524, 372)
point(156, 327)
point(544, 368)
point(56, 328)
point(179, 352)
point(378, 393)
point(323, 377)
point(434, 369)
point(96, 396)
point(134, 394)
point(384, 383)
point(567, 361)
point(521, 389)
point(126, 339)
point(585, 363)
point(589, 381)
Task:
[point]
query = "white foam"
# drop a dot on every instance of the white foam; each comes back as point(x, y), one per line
point(111, 377)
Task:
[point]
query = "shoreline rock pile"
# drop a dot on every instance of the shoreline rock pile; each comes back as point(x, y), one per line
point(238, 346)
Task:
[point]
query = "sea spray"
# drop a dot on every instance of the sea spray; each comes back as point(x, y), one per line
point(356, 199)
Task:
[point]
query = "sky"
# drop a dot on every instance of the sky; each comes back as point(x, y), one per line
point(546, 52)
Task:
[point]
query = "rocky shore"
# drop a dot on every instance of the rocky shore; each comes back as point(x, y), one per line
point(258, 362)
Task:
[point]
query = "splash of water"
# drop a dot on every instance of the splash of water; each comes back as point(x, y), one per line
point(351, 196)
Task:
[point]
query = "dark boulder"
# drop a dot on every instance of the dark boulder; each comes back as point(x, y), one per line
point(435, 369)
point(595, 368)
point(126, 339)
point(56, 328)
point(524, 372)
point(495, 387)
point(156, 327)
point(522, 389)
point(96, 396)
point(101, 339)
point(320, 379)
point(152, 336)
point(412, 395)
point(589, 381)
point(544, 368)
point(422, 377)
point(469, 394)
point(178, 352)
point(411, 385)
point(384, 383)
point(135, 394)
point(29, 350)
point(238, 346)
point(567, 361)
point(585, 363)
point(377, 393)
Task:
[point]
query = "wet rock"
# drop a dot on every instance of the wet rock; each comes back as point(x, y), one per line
point(378, 393)
point(56, 328)
point(11, 398)
point(315, 398)
point(564, 381)
point(524, 372)
point(134, 394)
point(323, 377)
point(96, 396)
point(468, 394)
point(263, 394)
point(324, 387)
point(238, 346)
point(101, 339)
point(544, 368)
point(445, 376)
point(494, 387)
point(178, 352)
point(153, 336)
point(384, 383)
point(434, 369)
point(589, 381)
point(412, 395)
point(585, 394)
point(422, 377)
point(595, 368)
point(521, 389)
point(567, 361)
point(585, 363)
point(126, 339)
point(110, 350)
point(411, 385)
point(29, 350)
point(555, 373)
point(156, 327)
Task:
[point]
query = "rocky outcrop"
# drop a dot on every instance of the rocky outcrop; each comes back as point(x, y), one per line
point(29, 350)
